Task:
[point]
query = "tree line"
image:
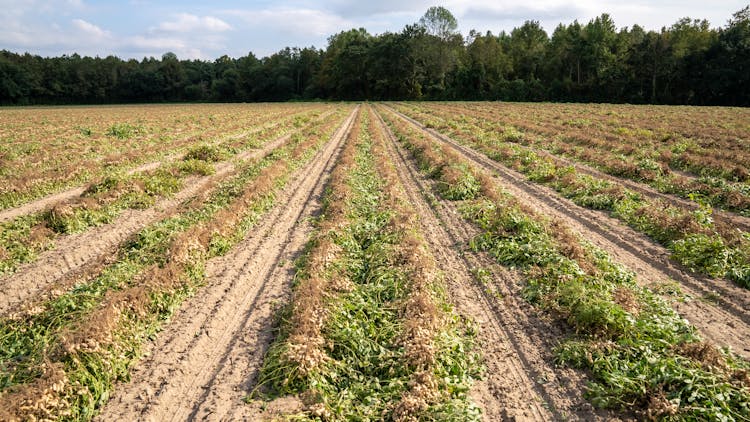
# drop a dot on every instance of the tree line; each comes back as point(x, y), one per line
point(686, 63)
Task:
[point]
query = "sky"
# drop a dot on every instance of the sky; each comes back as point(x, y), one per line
point(208, 30)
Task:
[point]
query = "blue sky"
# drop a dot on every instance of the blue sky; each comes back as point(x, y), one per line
point(207, 30)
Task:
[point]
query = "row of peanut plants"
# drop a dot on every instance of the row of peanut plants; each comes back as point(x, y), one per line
point(704, 141)
point(721, 182)
point(60, 360)
point(43, 151)
point(717, 125)
point(696, 241)
point(23, 238)
point(639, 354)
point(369, 334)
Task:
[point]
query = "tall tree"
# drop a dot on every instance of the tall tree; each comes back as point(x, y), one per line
point(173, 76)
point(728, 62)
point(437, 46)
point(528, 45)
point(564, 60)
point(392, 67)
point(483, 69)
point(685, 63)
point(343, 72)
point(225, 85)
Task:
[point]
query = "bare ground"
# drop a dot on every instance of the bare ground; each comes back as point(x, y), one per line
point(521, 383)
point(207, 358)
point(51, 200)
point(717, 307)
point(726, 217)
point(56, 198)
point(76, 257)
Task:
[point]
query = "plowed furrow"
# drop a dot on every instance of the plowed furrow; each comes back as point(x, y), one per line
point(521, 383)
point(717, 307)
point(206, 359)
point(642, 188)
point(49, 201)
point(725, 217)
point(75, 253)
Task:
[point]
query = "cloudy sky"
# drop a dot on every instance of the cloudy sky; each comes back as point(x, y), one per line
point(202, 30)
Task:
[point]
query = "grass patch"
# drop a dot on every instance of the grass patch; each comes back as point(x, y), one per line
point(641, 355)
point(692, 237)
point(362, 370)
point(207, 153)
point(124, 130)
point(62, 360)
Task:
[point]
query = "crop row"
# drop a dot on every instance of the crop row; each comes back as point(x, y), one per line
point(722, 179)
point(696, 240)
point(43, 151)
point(706, 141)
point(103, 200)
point(369, 334)
point(61, 360)
point(639, 353)
point(719, 125)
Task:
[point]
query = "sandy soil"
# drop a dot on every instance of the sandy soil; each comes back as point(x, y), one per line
point(49, 201)
point(520, 383)
point(717, 307)
point(207, 358)
point(77, 256)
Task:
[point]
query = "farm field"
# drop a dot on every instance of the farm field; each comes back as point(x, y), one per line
point(375, 261)
point(46, 149)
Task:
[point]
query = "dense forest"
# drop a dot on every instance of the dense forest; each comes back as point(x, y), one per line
point(686, 63)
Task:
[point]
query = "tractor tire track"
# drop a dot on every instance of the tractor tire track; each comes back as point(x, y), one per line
point(47, 202)
point(724, 319)
point(521, 383)
point(75, 254)
point(208, 357)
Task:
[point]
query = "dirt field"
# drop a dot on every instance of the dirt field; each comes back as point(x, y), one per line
point(395, 261)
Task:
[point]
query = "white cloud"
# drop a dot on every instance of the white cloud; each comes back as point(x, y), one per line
point(188, 23)
point(90, 28)
point(56, 7)
point(513, 12)
point(297, 21)
point(380, 7)
point(188, 36)
point(156, 46)
point(155, 43)
point(138, 28)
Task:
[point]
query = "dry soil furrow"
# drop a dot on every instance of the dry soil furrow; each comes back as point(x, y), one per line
point(204, 362)
point(724, 319)
point(520, 383)
point(719, 216)
point(51, 200)
point(74, 253)
point(42, 204)
point(725, 217)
